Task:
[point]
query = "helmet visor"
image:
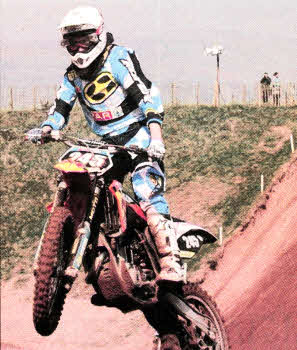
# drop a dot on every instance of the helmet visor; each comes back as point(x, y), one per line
point(79, 42)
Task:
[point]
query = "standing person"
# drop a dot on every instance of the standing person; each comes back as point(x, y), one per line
point(265, 87)
point(276, 89)
point(123, 107)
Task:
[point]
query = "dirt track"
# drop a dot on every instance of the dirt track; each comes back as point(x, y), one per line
point(255, 287)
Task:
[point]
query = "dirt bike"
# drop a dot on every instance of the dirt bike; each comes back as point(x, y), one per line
point(93, 223)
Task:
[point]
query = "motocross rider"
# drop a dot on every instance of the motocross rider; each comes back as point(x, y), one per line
point(122, 107)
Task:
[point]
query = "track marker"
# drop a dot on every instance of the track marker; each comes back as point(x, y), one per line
point(292, 143)
point(262, 183)
point(221, 235)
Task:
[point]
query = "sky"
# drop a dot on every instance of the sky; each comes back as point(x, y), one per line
point(169, 37)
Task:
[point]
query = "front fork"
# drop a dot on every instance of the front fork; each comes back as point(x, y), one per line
point(83, 235)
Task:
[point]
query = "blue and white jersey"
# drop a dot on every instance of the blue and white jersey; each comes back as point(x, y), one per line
point(114, 98)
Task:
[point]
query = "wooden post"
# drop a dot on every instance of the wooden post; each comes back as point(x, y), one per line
point(259, 95)
point(244, 90)
point(11, 99)
point(287, 95)
point(292, 94)
point(173, 98)
point(34, 98)
point(22, 98)
point(197, 94)
point(255, 97)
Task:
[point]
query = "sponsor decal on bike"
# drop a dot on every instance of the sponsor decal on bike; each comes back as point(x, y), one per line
point(102, 116)
point(192, 241)
point(101, 88)
point(185, 254)
point(70, 166)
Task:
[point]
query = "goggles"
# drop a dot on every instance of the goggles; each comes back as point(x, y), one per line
point(80, 42)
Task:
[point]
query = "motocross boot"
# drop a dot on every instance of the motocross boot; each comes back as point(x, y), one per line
point(165, 239)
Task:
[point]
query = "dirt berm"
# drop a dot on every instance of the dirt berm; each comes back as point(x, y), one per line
point(254, 285)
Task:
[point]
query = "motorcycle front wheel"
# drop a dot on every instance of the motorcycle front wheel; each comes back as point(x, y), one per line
point(50, 292)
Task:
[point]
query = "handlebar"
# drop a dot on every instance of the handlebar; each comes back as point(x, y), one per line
point(38, 137)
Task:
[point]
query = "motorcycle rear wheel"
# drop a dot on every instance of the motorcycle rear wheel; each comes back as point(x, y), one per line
point(200, 301)
point(50, 293)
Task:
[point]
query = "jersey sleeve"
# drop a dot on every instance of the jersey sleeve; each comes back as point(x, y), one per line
point(146, 95)
point(58, 115)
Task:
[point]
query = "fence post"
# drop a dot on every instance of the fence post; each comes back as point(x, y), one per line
point(259, 95)
point(34, 98)
point(173, 98)
point(11, 99)
point(197, 94)
point(244, 90)
point(232, 98)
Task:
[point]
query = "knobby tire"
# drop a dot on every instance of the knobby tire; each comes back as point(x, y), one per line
point(49, 293)
point(198, 299)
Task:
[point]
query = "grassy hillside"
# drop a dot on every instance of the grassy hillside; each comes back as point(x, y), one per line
point(235, 144)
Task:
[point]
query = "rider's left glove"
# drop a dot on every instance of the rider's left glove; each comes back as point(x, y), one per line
point(156, 149)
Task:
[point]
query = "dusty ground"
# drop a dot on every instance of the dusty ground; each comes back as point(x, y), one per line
point(254, 285)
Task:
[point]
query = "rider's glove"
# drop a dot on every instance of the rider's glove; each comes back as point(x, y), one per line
point(40, 136)
point(156, 149)
point(34, 135)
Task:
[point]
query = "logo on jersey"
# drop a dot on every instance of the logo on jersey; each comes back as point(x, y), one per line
point(101, 88)
point(102, 116)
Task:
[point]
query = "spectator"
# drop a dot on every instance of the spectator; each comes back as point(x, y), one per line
point(265, 87)
point(276, 89)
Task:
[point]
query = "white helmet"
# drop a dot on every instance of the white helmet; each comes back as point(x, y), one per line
point(87, 22)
